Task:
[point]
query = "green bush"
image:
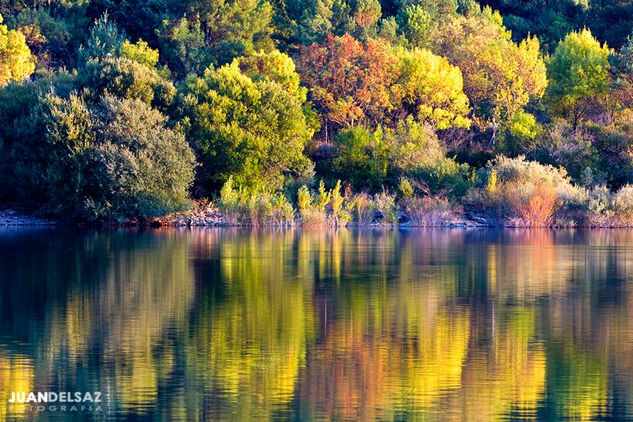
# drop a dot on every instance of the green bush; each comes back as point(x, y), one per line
point(114, 160)
point(362, 158)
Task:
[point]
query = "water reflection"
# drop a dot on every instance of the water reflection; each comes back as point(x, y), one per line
point(344, 325)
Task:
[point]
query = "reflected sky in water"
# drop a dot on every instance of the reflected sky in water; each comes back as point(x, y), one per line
point(320, 325)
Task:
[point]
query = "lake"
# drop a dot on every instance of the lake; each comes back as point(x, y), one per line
point(318, 325)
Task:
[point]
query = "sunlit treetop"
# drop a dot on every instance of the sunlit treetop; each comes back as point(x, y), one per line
point(16, 60)
point(579, 74)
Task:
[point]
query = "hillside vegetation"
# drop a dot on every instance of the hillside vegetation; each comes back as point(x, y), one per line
point(323, 111)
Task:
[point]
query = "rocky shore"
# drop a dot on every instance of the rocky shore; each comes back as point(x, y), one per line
point(205, 214)
point(11, 217)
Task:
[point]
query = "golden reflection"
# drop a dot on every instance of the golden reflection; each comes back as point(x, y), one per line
point(251, 343)
point(16, 375)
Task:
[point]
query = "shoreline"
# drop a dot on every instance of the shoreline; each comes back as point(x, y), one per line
point(202, 219)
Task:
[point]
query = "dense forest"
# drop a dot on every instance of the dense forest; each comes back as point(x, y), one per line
point(322, 110)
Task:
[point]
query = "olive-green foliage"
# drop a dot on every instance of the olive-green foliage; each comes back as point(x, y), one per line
point(252, 128)
point(411, 145)
point(416, 152)
point(446, 177)
point(231, 29)
point(17, 103)
point(405, 189)
point(146, 168)
point(183, 45)
point(416, 25)
point(522, 134)
point(112, 160)
point(111, 64)
point(362, 158)
point(140, 53)
point(48, 38)
point(125, 78)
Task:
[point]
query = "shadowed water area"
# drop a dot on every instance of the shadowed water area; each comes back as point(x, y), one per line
point(345, 325)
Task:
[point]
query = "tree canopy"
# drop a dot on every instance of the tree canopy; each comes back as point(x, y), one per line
point(385, 95)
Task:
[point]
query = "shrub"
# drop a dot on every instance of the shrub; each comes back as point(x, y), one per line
point(239, 206)
point(534, 204)
point(385, 204)
point(428, 211)
point(623, 201)
point(362, 208)
point(312, 207)
point(444, 177)
point(411, 145)
point(362, 158)
point(113, 160)
point(518, 189)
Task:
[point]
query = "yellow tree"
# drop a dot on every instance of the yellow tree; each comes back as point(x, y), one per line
point(431, 89)
point(16, 60)
point(500, 76)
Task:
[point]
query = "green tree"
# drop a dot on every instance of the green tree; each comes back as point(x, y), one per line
point(579, 75)
point(140, 53)
point(232, 28)
point(361, 158)
point(105, 40)
point(416, 24)
point(125, 78)
point(184, 47)
point(252, 128)
point(141, 167)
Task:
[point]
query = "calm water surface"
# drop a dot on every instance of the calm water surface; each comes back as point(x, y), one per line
point(348, 325)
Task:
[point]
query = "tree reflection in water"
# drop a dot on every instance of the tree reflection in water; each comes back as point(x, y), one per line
point(238, 324)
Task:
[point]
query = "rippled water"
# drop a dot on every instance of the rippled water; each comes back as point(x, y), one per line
point(359, 325)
